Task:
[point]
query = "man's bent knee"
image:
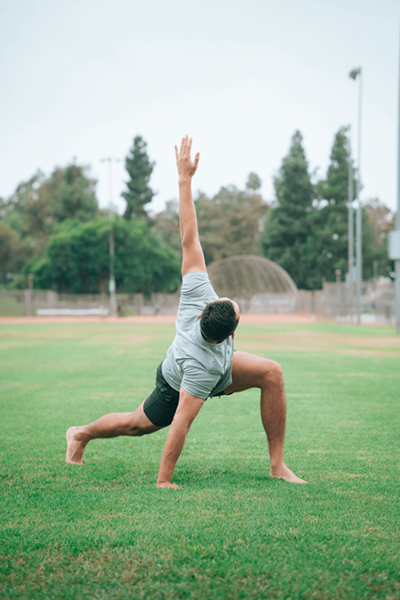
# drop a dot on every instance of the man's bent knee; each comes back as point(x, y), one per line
point(273, 373)
point(140, 424)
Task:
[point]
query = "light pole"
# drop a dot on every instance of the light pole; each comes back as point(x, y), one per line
point(394, 236)
point(354, 74)
point(111, 283)
point(350, 273)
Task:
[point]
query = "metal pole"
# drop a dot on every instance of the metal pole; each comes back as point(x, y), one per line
point(397, 261)
point(29, 296)
point(113, 299)
point(354, 75)
point(351, 218)
point(111, 283)
point(359, 212)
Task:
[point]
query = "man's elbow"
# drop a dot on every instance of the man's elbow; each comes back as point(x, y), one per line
point(189, 240)
point(182, 424)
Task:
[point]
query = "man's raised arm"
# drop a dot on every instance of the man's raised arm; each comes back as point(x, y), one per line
point(192, 252)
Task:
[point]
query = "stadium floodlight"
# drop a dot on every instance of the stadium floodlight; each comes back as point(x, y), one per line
point(354, 74)
point(111, 210)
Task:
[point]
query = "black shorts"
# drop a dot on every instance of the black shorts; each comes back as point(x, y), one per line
point(160, 407)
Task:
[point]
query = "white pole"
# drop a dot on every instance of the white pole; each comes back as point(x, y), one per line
point(359, 212)
point(353, 74)
point(397, 261)
point(111, 283)
point(350, 214)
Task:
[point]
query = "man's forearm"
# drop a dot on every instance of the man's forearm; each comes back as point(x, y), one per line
point(187, 212)
point(172, 451)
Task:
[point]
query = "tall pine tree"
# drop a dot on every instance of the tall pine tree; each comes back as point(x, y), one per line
point(327, 249)
point(287, 226)
point(139, 169)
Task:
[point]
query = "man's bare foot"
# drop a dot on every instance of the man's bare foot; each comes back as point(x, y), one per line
point(75, 447)
point(173, 486)
point(285, 474)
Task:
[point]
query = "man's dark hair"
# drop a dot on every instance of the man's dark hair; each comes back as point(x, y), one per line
point(218, 320)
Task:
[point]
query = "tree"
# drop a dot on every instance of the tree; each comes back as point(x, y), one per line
point(38, 204)
point(336, 185)
point(229, 223)
point(327, 247)
point(166, 227)
point(71, 194)
point(29, 213)
point(253, 182)
point(287, 226)
point(76, 259)
point(11, 255)
point(382, 221)
point(139, 169)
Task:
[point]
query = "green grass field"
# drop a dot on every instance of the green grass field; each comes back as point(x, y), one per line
point(104, 531)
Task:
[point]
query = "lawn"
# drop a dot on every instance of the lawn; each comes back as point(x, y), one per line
point(104, 531)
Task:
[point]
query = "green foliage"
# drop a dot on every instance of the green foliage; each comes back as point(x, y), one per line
point(29, 213)
point(39, 204)
point(103, 530)
point(382, 220)
point(76, 259)
point(307, 232)
point(335, 188)
point(166, 227)
point(71, 194)
point(229, 223)
point(327, 248)
point(139, 169)
point(253, 182)
point(11, 253)
point(287, 226)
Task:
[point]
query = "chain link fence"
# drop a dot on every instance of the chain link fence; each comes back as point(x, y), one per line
point(336, 302)
point(15, 303)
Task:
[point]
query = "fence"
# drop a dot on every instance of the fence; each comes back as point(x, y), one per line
point(336, 302)
point(26, 302)
point(339, 301)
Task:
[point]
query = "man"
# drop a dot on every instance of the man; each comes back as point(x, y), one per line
point(200, 362)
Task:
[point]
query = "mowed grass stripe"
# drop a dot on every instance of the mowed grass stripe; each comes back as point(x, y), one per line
point(105, 531)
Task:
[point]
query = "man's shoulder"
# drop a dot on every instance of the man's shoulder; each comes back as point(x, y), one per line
point(194, 278)
point(197, 285)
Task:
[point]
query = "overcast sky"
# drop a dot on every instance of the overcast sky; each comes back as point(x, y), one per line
point(81, 78)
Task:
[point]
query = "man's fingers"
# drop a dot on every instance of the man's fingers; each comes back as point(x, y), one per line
point(189, 147)
point(185, 150)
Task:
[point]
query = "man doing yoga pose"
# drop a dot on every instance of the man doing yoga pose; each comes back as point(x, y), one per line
point(200, 363)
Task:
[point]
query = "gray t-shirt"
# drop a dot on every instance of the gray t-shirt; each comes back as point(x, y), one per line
point(202, 369)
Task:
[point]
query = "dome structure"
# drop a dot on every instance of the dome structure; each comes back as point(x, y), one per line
point(257, 283)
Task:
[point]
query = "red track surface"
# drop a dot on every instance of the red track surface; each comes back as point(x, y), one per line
point(155, 319)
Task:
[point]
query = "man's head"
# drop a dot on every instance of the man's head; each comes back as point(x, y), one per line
point(219, 320)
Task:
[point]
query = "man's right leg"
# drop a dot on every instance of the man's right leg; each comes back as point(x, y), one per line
point(252, 371)
point(113, 425)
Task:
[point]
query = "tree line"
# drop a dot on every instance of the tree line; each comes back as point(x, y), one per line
point(53, 227)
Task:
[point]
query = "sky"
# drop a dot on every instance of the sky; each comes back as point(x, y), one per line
point(81, 78)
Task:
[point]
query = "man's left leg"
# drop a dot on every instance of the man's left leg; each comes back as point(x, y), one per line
point(112, 425)
point(252, 371)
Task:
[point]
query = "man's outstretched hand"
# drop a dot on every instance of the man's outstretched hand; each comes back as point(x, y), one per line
point(186, 167)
